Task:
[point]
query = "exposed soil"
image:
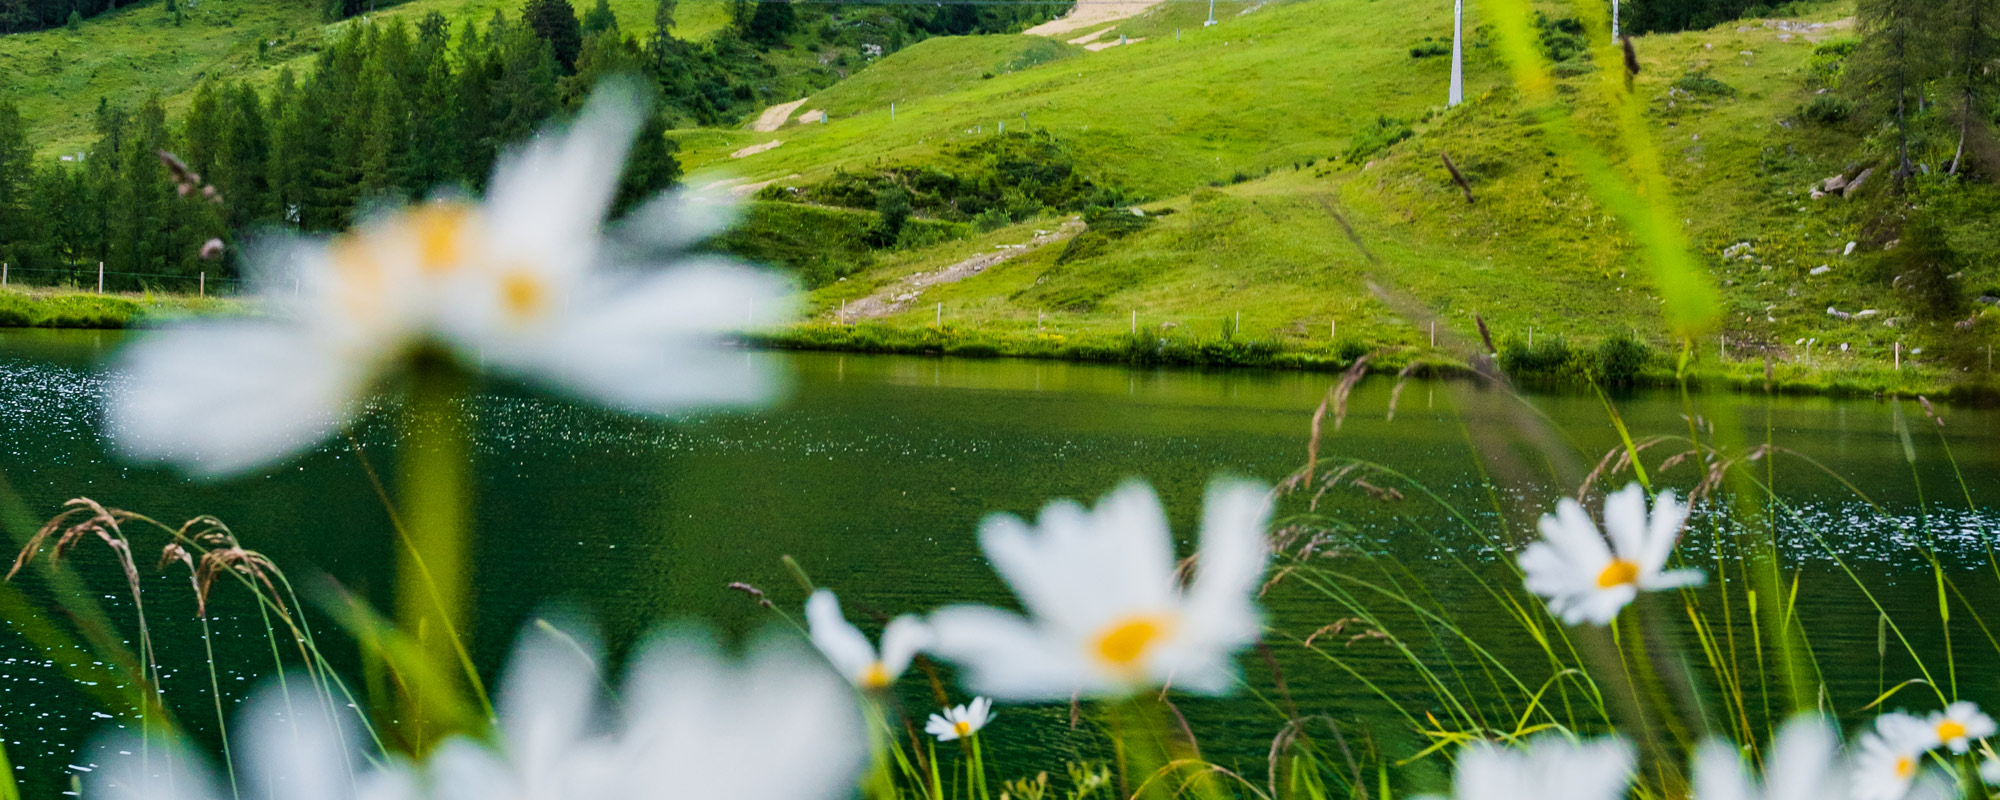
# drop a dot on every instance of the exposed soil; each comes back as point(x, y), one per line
point(898, 296)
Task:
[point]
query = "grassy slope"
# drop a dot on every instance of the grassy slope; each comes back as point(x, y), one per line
point(1289, 82)
point(126, 54)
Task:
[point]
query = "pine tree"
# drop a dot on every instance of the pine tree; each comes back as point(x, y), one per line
point(1895, 60)
point(141, 229)
point(59, 205)
point(600, 19)
point(202, 129)
point(651, 168)
point(1974, 40)
point(555, 22)
point(525, 92)
point(243, 166)
point(663, 17)
point(17, 235)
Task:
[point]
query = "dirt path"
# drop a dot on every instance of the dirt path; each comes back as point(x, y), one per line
point(1096, 12)
point(756, 148)
point(774, 117)
point(898, 296)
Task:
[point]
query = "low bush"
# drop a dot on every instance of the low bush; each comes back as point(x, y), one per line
point(1827, 109)
point(1385, 133)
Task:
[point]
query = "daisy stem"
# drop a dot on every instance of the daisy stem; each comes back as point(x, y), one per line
point(1151, 764)
point(432, 577)
point(978, 767)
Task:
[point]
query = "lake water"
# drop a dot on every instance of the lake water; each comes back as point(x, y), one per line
point(875, 472)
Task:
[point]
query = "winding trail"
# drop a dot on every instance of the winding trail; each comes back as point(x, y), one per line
point(1094, 12)
point(898, 296)
point(774, 117)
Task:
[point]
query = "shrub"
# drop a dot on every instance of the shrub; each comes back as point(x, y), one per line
point(1828, 62)
point(1620, 358)
point(1827, 109)
point(1385, 133)
point(1700, 83)
point(1549, 358)
point(1562, 39)
point(892, 207)
point(1430, 48)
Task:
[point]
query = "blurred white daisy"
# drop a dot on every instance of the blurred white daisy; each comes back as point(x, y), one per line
point(1890, 757)
point(1959, 725)
point(1989, 769)
point(1803, 764)
point(285, 744)
point(691, 724)
point(848, 649)
point(1106, 613)
point(959, 722)
point(1586, 580)
point(1550, 768)
point(524, 284)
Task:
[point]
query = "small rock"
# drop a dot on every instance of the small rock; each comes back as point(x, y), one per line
point(1988, 299)
point(1837, 313)
point(1818, 195)
point(1821, 269)
point(1865, 313)
point(1855, 185)
point(1849, 251)
point(1835, 183)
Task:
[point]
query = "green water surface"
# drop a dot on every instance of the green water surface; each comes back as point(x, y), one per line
point(875, 472)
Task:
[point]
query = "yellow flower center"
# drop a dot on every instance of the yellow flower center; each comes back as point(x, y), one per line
point(1618, 573)
point(440, 232)
point(876, 676)
point(1950, 729)
point(1905, 766)
point(1125, 642)
point(523, 294)
point(964, 727)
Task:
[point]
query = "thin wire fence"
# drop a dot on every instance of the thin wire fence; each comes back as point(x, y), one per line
point(95, 278)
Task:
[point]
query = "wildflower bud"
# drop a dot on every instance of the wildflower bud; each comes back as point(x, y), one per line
point(183, 189)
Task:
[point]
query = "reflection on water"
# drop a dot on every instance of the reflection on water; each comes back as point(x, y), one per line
point(874, 475)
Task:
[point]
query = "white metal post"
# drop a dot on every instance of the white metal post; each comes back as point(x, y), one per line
point(202, 291)
point(1135, 321)
point(940, 314)
point(1614, 21)
point(1211, 14)
point(1457, 53)
point(100, 277)
point(3, 274)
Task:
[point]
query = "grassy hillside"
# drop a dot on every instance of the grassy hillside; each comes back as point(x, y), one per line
point(1234, 135)
point(57, 75)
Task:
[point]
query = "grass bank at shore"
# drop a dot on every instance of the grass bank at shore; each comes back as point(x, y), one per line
point(1549, 362)
point(64, 308)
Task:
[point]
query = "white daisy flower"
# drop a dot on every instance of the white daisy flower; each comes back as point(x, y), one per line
point(1959, 724)
point(1803, 764)
point(1551, 768)
point(1587, 581)
point(285, 744)
point(1106, 613)
point(848, 648)
point(691, 724)
point(1891, 756)
point(1989, 769)
point(523, 284)
point(959, 722)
